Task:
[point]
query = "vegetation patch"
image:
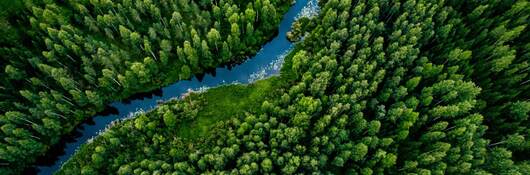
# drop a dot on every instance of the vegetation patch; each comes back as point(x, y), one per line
point(225, 102)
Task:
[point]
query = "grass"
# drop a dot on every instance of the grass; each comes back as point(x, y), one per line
point(225, 102)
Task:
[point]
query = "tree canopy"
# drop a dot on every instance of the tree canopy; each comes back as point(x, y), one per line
point(374, 87)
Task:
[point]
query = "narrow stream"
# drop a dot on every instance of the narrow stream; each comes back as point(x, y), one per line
point(265, 63)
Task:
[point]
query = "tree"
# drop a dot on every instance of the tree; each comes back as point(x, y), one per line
point(266, 165)
point(250, 15)
point(135, 38)
point(207, 55)
point(14, 73)
point(139, 70)
point(301, 120)
point(125, 33)
point(170, 119)
point(165, 45)
point(225, 52)
point(191, 54)
point(94, 98)
point(185, 72)
point(359, 151)
point(214, 37)
point(300, 59)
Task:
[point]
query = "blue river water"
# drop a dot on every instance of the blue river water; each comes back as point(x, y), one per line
point(265, 63)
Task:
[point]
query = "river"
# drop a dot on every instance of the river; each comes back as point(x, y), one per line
point(265, 63)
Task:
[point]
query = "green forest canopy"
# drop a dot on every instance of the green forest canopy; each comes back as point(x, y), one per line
point(375, 87)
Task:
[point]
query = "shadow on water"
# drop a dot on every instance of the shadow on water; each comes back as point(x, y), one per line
point(143, 95)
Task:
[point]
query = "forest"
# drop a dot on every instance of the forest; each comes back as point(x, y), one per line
point(371, 86)
point(63, 61)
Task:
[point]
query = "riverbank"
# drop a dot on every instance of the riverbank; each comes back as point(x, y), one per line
point(214, 106)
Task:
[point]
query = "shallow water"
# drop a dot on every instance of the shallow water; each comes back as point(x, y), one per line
point(265, 63)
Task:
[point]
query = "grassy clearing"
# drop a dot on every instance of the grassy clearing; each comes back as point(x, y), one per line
point(225, 102)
